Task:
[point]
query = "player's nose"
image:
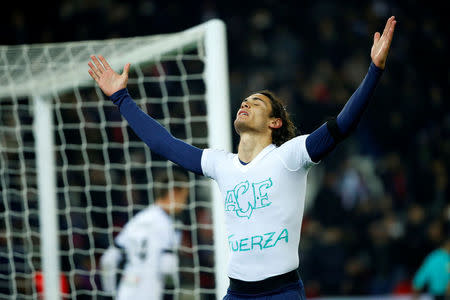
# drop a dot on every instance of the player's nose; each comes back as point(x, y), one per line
point(245, 105)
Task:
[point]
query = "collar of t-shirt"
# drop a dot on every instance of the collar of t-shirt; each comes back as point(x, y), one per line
point(244, 163)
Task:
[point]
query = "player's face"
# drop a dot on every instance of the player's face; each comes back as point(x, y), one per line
point(180, 197)
point(254, 114)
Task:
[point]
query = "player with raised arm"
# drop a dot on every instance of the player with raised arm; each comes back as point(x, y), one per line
point(263, 185)
point(146, 246)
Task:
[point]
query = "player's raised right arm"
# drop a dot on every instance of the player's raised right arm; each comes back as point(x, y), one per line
point(107, 79)
point(150, 131)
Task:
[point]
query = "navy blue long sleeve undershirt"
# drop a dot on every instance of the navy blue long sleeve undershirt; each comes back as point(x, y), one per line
point(318, 144)
point(156, 136)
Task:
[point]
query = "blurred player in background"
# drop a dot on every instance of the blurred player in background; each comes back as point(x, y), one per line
point(146, 246)
point(263, 185)
point(434, 273)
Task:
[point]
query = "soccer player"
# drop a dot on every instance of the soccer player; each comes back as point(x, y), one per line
point(146, 245)
point(263, 185)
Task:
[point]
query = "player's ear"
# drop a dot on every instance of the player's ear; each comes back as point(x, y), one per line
point(275, 123)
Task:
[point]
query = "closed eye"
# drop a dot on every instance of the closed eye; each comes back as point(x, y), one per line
point(256, 103)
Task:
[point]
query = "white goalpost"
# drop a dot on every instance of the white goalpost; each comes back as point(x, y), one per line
point(72, 172)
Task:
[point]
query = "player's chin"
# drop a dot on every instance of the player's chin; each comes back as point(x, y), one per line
point(240, 125)
point(180, 207)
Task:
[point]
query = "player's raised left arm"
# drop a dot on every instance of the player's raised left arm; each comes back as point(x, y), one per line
point(324, 139)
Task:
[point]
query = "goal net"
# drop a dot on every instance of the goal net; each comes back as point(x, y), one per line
point(72, 172)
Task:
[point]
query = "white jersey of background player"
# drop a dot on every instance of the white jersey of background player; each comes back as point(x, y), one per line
point(148, 243)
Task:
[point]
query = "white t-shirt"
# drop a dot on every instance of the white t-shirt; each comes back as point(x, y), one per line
point(263, 203)
point(146, 239)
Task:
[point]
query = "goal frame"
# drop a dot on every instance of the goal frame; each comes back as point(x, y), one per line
point(219, 135)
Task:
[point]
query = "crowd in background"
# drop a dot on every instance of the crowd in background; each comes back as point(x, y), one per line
point(383, 200)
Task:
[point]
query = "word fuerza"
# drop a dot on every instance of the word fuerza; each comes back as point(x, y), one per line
point(260, 242)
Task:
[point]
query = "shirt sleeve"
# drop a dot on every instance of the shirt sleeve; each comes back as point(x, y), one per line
point(422, 275)
point(294, 154)
point(109, 263)
point(211, 160)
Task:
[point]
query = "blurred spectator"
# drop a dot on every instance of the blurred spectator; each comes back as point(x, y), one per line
point(381, 259)
point(328, 207)
point(414, 239)
point(433, 274)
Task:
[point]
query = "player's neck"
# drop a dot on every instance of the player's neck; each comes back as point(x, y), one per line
point(164, 205)
point(250, 145)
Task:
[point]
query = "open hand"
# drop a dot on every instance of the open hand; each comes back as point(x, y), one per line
point(382, 43)
point(108, 80)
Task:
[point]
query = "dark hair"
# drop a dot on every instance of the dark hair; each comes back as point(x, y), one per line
point(288, 130)
point(164, 181)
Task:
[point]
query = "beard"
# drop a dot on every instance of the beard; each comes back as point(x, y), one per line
point(244, 126)
point(240, 126)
